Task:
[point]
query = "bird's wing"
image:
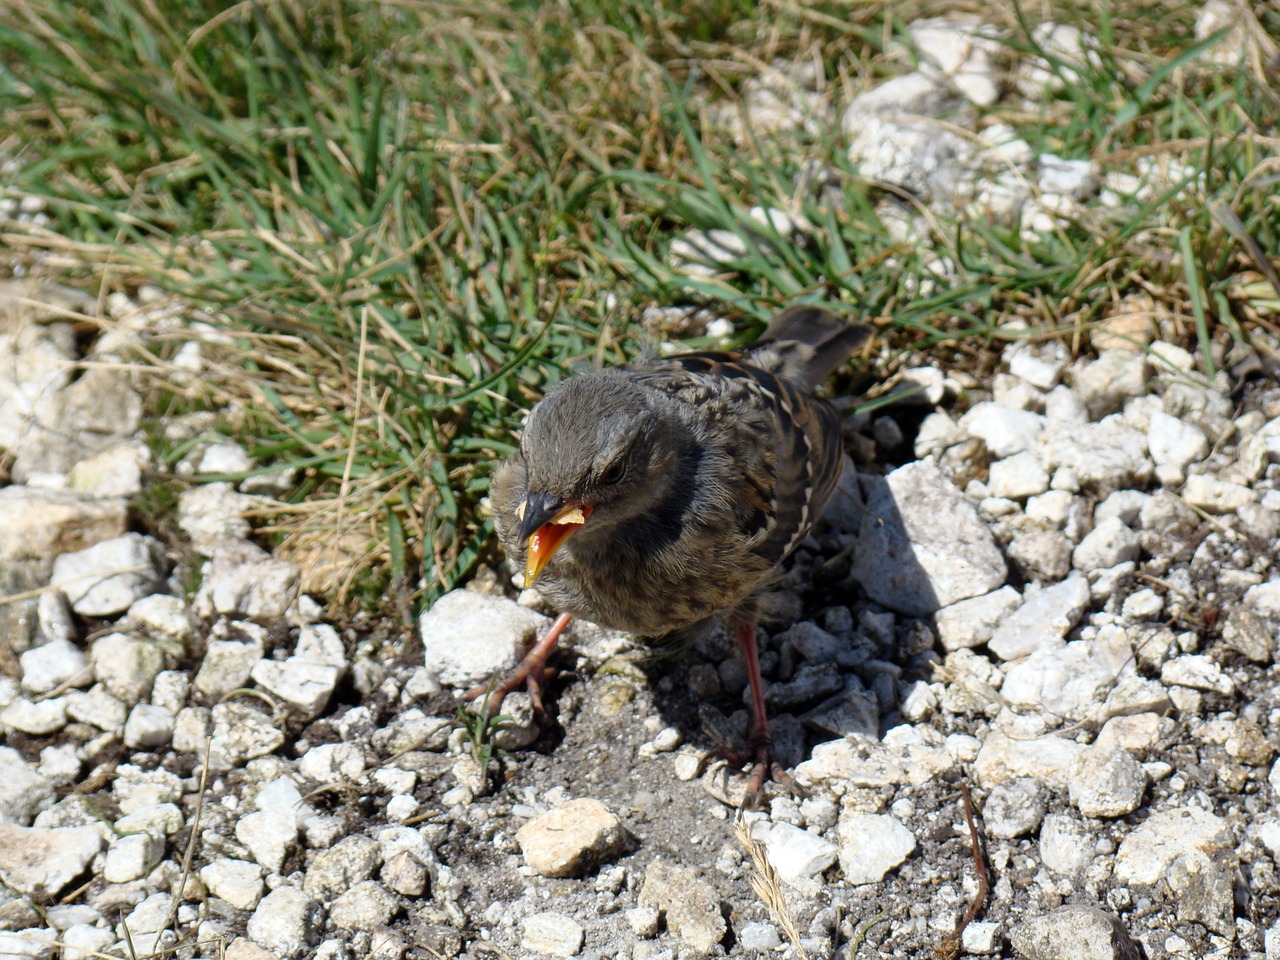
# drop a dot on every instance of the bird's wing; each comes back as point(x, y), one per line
point(786, 442)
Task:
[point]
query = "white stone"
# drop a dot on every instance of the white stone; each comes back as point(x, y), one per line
point(127, 666)
point(283, 922)
point(297, 681)
point(798, 855)
point(1148, 851)
point(238, 882)
point(871, 845)
point(1043, 618)
point(115, 472)
point(1004, 432)
point(106, 578)
point(148, 727)
point(244, 581)
point(972, 622)
point(552, 934)
point(1017, 477)
point(131, 857)
point(37, 524)
point(42, 862)
point(922, 546)
point(1107, 783)
point(469, 638)
point(227, 664)
point(1066, 847)
point(1215, 496)
point(1104, 456)
point(1048, 759)
point(1108, 544)
point(211, 513)
point(1197, 672)
point(1174, 445)
point(52, 665)
point(23, 792)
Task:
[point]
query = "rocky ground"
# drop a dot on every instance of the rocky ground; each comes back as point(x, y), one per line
point(1052, 591)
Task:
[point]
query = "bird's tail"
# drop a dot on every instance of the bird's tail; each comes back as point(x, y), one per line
point(805, 344)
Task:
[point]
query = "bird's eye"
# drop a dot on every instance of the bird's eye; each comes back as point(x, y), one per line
point(613, 473)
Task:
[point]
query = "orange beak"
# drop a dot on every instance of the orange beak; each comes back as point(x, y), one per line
point(548, 533)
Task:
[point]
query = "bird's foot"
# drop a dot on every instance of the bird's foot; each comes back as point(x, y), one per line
point(529, 673)
point(764, 768)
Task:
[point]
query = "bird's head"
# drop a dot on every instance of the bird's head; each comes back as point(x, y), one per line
point(599, 451)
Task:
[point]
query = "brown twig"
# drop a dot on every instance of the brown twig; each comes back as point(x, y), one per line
point(949, 949)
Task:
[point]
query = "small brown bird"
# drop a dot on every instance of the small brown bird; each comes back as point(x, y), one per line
point(653, 496)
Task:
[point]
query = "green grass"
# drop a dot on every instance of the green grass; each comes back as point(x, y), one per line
point(412, 218)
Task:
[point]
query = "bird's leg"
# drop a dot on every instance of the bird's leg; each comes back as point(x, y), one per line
point(759, 739)
point(528, 673)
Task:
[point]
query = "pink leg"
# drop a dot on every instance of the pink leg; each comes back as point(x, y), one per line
point(528, 673)
point(759, 740)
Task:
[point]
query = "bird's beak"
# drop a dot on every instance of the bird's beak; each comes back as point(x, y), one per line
point(546, 522)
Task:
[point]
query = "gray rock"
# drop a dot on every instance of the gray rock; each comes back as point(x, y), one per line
point(243, 581)
point(972, 622)
point(553, 934)
point(853, 711)
point(365, 906)
point(36, 524)
point(689, 903)
point(871, 845)
point(350, 861)
point(571, 839)
point(1015, 807)
point(52, 665)
point(1002, 430)
point(23, 792)
point(1203, 887)
point(1147, 853)
point(1066, 846)
point(1077, 931)
point(285, 922)
point(759, 936)
point(40, 862)
point(1107, 783)
point(931, 549)
point(1108, 544)
point(1264, 599)
point(238, 882)
point(1041, 553)
point(1043, 619)
point(106, 578)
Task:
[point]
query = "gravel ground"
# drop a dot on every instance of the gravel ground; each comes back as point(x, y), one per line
point(1053, 592)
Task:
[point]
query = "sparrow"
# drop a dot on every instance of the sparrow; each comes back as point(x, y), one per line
point(653, 496)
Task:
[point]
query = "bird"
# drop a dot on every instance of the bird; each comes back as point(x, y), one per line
point(654, 496)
